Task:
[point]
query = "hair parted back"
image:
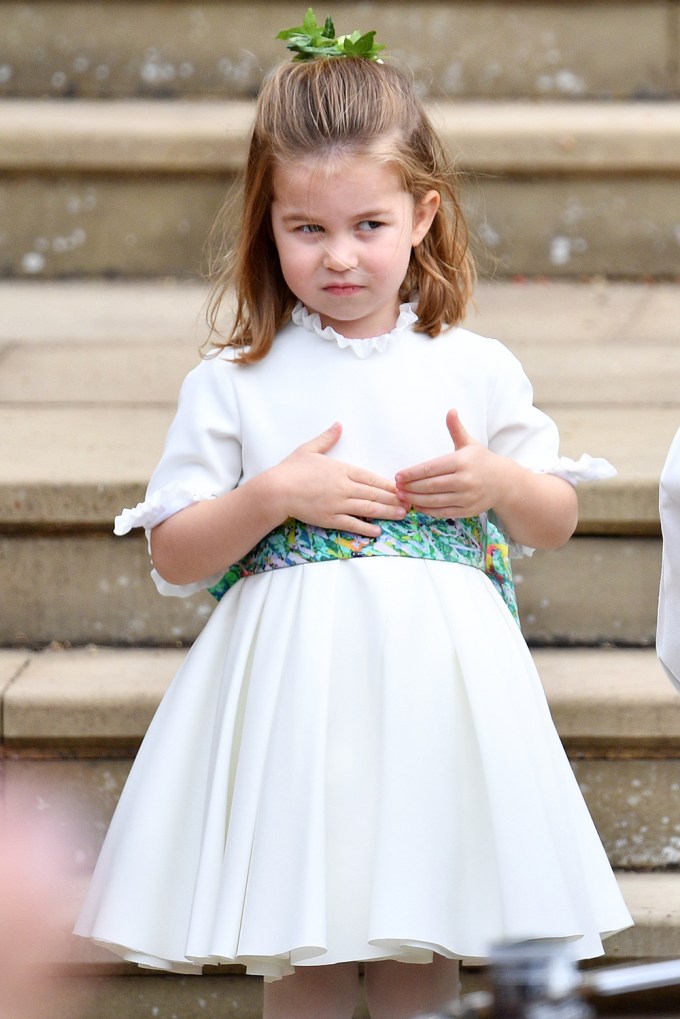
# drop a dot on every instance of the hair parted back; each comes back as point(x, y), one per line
point(339, 107)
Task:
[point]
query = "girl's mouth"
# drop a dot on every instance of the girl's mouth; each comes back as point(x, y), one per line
point(342, 289)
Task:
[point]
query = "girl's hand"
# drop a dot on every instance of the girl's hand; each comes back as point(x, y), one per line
point(537, 510)
point(319, 490)
point(209, 535)
point(461, 484)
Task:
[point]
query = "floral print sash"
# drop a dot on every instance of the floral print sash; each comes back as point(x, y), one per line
point(472, 541)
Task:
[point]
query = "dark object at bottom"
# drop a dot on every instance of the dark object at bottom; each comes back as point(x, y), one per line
point(540, 980)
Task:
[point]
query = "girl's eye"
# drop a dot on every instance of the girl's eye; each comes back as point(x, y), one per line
point(366, 225)
point(311, 228)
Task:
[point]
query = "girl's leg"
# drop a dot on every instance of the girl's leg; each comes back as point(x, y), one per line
point(399, 990)
point(313, 992)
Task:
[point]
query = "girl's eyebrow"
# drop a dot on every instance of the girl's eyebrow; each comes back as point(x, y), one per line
point(296, 217)
point(306, 217)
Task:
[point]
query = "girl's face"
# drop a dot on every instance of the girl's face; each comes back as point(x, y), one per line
point(344, 235)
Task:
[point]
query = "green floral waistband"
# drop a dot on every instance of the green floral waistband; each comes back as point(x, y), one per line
point(472, 541)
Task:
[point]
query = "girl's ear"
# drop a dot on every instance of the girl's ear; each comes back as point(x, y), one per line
point(423, 214)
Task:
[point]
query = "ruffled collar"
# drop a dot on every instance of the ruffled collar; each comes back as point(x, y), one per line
point(362, 347)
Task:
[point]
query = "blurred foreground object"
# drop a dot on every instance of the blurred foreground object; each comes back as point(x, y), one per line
point(34, 866)
point(540, 980)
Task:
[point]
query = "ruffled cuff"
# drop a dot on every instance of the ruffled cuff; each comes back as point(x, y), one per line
point(183, 590)
point(586, 468)
point(158, 507)
point(154, 510)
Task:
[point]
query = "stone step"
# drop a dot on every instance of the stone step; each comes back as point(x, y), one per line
point(78, 587)
point(64, 711)
point(73, 719)
point(485, 49)
point(116, 990)
point(133, 187)
point(88, 387)
point(92, 983)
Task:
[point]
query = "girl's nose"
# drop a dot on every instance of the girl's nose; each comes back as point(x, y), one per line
point(338, 256)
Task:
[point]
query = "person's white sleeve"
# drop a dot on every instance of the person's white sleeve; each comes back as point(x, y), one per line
point(668, 620)
point(519, 430)
point(201, 459)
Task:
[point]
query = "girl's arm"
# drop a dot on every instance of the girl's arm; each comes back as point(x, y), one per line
point(537, 510)
point(209, 536)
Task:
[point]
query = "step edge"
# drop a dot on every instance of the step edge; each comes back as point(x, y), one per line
point(65, 698)
point(183, 136)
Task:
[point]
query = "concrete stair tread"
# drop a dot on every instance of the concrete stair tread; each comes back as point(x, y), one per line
point(175, 47)
point(654, 903)
point(132, 187)
point(99, 984)
point(89, 384)
point(184, 136)
point(72, 719)
point(544, 312)
point(84, 693)
point(578, 370)
point(98, 311)
point(602, 356)
point(601, 696)
point(609, 696)
point(91, 368)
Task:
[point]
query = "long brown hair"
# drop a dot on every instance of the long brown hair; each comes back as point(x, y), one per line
point(338, 106)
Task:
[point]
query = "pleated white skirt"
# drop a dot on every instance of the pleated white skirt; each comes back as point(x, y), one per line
point(356, 761)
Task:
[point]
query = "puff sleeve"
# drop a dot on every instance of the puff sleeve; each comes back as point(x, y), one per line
point(519, 430)
point(201, 458)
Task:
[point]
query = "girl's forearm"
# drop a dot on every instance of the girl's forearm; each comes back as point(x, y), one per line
point(538, 510)
point(209, 536)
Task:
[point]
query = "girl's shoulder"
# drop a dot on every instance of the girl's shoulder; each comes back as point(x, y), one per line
point(214, 364)
point(211, 378)
point(467, 339)
point(461, 344)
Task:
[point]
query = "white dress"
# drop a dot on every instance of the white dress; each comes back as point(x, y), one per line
point(356, 760)
point(668, 622)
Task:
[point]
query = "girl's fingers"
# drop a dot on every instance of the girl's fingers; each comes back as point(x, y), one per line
point(355, 525)
point(444, 513)
point(437, 499)
point(371, 482)
point(324, 442)
point(360, 512)
point(439, 492)
point(429, 470)
point(434, 486)
point(377, 511)
point(375, 496)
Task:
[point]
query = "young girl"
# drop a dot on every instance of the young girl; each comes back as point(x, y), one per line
point(356, 762)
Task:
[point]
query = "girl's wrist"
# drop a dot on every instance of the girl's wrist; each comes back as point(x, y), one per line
point(508, 485)
point(274, 496)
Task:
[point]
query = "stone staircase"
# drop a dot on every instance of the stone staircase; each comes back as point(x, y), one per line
point(121, 126)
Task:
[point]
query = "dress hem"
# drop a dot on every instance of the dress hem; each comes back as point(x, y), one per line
point(275, 967)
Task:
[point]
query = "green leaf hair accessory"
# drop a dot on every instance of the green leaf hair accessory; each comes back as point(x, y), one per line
point(310, 40)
